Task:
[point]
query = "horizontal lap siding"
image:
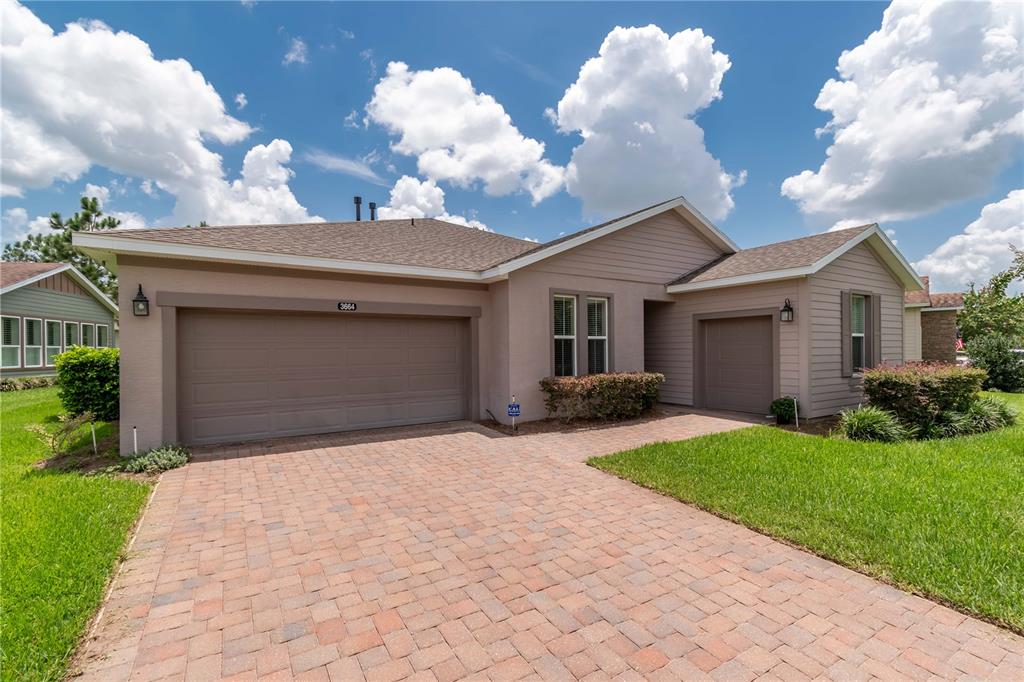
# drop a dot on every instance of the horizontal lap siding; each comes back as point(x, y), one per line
point(670, 334)
point(656, 250)
point(912, 334)
point(32, 301)
point(857, 269)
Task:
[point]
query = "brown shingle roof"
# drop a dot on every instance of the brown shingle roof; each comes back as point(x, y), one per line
point(12, 273)
point(947, 300)
point(794, 253)
point(918, 297)
point(424, 242)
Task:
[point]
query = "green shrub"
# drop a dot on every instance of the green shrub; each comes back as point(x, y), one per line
point(872, 424)
point(156, 460)
point(988, 414)
point(620, 395)
point(916, 393)
point(784, 409)
point(23, 383)
point(89, 381)
point(994, 354)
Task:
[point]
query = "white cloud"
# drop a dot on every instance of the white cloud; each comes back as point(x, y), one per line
point(413, 198)
point(241, 100)
point(147, 188)
point(341, 164)
point(352, 120)
point(298, 52)
point(346, 34)
point(981, 250)
point(459, 135)
point(634, 105)
point(130, 220)
point(97, 192)
point(90, 96)
point(16, 225)
point(923, 114)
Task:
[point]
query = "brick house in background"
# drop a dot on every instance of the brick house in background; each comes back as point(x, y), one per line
point(929, 324)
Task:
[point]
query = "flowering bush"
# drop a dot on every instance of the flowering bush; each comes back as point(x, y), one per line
point(619, 395)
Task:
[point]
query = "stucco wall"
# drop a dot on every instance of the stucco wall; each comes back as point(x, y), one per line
point(858, 269)
point(911, 334)
point(938, 335)
point(142, 382)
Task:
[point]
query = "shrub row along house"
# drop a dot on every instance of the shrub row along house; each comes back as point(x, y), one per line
point(47, 308)
point(249, 332)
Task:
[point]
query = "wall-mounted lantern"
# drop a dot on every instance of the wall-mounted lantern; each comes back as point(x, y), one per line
point(786, 314)
point(140, 304)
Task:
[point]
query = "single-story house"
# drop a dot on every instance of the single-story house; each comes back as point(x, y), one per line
point(270, 330)
point(929, 324)
point(46, 308)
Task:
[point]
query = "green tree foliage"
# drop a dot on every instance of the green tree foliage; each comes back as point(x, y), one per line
point(55, 247)
point(990, 310)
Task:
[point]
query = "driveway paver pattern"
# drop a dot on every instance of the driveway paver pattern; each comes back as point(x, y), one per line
point(447, 552)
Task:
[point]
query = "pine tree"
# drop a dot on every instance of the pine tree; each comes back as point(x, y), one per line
point(56, 247)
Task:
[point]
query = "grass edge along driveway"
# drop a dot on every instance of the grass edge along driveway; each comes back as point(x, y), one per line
point(61, 535)
point(941, 518)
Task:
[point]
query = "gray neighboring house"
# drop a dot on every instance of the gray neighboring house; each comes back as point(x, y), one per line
point(257, 331)
point(46, 308)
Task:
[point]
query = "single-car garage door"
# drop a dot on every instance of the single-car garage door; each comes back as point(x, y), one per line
point(245, 376)
point(738, 364)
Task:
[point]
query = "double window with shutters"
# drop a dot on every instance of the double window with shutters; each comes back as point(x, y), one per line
point(571, 356)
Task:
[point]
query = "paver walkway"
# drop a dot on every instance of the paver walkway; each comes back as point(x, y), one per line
point(448, 552)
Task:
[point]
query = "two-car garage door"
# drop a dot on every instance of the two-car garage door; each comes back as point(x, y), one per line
point(244, 376)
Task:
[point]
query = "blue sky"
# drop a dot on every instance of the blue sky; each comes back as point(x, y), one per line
point(524, 56)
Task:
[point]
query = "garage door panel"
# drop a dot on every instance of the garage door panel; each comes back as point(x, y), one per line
point(315, 373)
point(738, 371)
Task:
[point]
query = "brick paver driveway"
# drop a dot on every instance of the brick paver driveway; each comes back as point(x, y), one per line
point(448, 552)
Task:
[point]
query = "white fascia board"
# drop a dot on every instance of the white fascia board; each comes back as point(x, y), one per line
point(941, 310)
point(679, 204)
point(93, 289)
point(916, 305)
point(34, 278)
point(739, 280)
point(119, 245)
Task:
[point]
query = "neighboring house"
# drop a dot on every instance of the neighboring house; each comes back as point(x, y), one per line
point(929, 324)
point(260, 331)
point(46, 309)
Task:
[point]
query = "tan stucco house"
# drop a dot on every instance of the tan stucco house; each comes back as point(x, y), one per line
point(271, 330)
point(929, 324)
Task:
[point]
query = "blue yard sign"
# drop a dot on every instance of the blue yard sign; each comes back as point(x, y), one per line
point(513, 409)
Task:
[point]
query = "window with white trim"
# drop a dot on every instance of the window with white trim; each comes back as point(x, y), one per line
point(102, 336)
point(52, 341)
point(11, 351)
point(565, 335)
point(70, 334)
point(33, 342)
point(858, 317)
point(597, 335)
point(88, 335)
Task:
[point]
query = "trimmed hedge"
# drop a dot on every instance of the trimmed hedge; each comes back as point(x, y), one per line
point(918, 392)
point(24, 383)
point(89, 381)
point(614, 396)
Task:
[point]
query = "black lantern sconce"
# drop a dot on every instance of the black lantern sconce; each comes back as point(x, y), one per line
point(140, 304)
point(786, 314)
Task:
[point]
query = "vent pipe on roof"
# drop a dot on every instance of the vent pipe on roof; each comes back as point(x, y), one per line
point(373, 210)
point(358, 202)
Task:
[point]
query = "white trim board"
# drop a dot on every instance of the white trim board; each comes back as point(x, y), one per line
point(881, 244)
point(72, 272)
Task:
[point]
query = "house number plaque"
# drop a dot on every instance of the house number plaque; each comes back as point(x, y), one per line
point(346, 306)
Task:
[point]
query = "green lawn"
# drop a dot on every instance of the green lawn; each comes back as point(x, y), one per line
point(940, 518)
point(61, 534)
